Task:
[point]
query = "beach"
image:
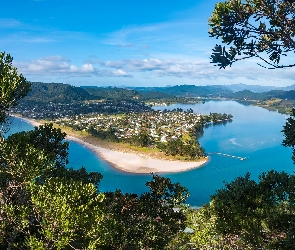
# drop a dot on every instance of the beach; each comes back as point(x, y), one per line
point(132, 162)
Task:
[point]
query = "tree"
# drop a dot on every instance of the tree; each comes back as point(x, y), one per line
point(67, 214)
point(149, 221)
point(261, 29)
point(257, 214)
point(13, 87)
point(33, 174)
point(289, 133)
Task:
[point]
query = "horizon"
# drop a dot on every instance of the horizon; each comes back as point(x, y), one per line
point(167, 86)
point(119, 43)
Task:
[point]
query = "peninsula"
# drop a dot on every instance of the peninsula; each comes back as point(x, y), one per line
point(128, 161)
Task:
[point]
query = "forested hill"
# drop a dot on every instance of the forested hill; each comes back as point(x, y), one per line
point(56, 92)
point(65, 93)
point(189, 90)
point(249, 95)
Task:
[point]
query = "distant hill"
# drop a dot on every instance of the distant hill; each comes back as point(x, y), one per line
point(111, 93)
point(289, 95)
point(56, 92)
point(288, 88)
point(249, 95)
point(188, 90)
point(256, 88)
point(65, 93)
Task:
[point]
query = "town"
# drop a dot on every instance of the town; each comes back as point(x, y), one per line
point(173, 132)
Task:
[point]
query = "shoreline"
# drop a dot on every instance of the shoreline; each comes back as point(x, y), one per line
point(131, 162)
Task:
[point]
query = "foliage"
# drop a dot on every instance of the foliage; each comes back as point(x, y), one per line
point(203, 224)
point(256, 214)
point(47, 206)
point(245, 214)
point(146, 222)
point(32, 176)
point(289, 133)
point(56, 93)
point(45, 137)
point(143, 139)
point(190, 149)
point(261, 29)
point(107, 135)
point(13, 87)
point(66, 214)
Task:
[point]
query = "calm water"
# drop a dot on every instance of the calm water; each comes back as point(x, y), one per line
point(255, 133)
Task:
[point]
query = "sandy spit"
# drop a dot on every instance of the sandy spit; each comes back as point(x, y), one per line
point(133, 162)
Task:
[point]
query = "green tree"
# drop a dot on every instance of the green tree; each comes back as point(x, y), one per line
point(261, 29)
point(289, 133)
point(149, 221)
point(257, 214)
point(67, 214)
point(143, 139)
point(28, 164)
point(45, 137)
point(13, 87)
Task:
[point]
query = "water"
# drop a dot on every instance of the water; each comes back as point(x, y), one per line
point(254, 133)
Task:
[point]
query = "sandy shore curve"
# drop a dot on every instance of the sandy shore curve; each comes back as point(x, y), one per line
point(133, 162)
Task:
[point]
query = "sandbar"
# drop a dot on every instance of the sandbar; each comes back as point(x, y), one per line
point(133, 162)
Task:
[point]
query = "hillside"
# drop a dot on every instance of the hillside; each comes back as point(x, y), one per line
point(56, 92)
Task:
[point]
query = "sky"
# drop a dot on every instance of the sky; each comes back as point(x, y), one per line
point(121, 43)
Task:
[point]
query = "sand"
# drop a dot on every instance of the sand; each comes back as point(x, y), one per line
point(133, 162)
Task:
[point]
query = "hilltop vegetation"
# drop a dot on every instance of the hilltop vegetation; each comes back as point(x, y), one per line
point(56, 93)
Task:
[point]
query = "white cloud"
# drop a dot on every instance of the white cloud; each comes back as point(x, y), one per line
point(60, 66)
point(152, 68)
point(120, 72)
point(87, 68)
point(114, 64)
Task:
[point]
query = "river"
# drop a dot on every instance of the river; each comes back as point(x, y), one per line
point(254, 134)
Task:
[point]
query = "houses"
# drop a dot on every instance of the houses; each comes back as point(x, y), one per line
point(160, 126)
point(122, 119)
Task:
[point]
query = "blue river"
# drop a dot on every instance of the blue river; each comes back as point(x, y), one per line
point(254, 134)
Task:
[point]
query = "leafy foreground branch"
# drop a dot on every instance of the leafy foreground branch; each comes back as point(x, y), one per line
point(262, 29)
point(44, 205)
point(246, 214)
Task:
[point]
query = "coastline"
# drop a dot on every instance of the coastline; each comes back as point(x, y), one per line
point(131, 162)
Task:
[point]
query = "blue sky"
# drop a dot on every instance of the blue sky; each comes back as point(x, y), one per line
point(114, 43)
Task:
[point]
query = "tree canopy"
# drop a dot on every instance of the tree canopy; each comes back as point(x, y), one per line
point(263, 29)
point(13, 87)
